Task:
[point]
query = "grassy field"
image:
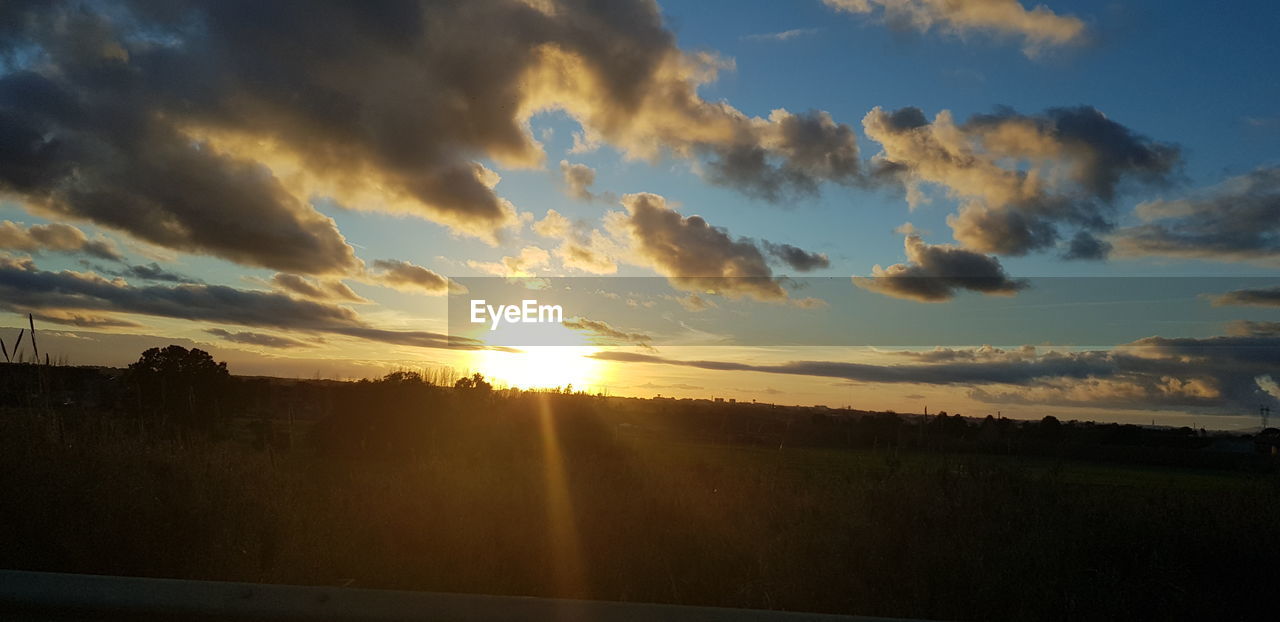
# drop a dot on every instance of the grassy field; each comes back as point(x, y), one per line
point(548, 496)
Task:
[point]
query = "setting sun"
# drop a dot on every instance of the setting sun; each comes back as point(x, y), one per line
point(543, 367)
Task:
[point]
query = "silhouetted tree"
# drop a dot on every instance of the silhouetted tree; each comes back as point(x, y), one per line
point(1050, 429)
point(179, 384)
point(474, 382)
point(404, 377)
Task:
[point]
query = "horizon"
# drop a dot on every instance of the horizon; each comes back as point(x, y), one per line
point(429, 375)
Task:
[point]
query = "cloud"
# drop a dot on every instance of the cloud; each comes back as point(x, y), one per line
point(787, 156)
point(810, 303)
point(797, 258)
point(101, 156)
point(316, 289)
point(530, 258)
point(201, 128)
point(1239, 220)
point(695, 303)
point(146, 272)
point(907, 228)
point(961, 373)
point(678, 385)
point(258, 339)
point(587, 257)
point(1250, 328)
point(1261, 122)
point(25, 287)
point(553, 225)
point(1130, 392)
point(407, 276)
point(1268, 385)
point(1019, 178)
point(1255, 297)
point(54, 237)
point(609, 334)
point(1216, 374)
point(577, 179)
point(589, 252)
point(1086, 246)
point(694, 255)
point(785, 35)
point(1038, 28)
point(83, 320)
point(935, 272)
point(153, 272)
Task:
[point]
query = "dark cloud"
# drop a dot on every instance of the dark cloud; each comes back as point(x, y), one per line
point(609, 334)
point(1239, 220)
point(797, 258)
point(694, 255)
point(681, 386)
point(258, 339)
point(24, 286)
point(55, 237)
point(153, 272)
point(1222, 350)
point(408, 276)
point(1020, 178)
point(147, 272)
point(788, 156)
point(960, 373)
point(1102, 153)
point(578, 179)
point(1250, 328)
point(1001, 231)
point(1255, 297)
point(982, 353)
point(82, 320)
point(325, 289)
point(103, 156)
point(1217, 374)
point(1086, 246)
point(936, 272)
point(208, 126)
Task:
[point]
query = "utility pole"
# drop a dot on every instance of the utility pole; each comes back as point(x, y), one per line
point(1265, 413)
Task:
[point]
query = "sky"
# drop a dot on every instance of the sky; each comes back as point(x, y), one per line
point(985, 206)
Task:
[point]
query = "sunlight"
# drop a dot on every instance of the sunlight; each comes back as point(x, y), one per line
point(566, 561)
point(543, 367)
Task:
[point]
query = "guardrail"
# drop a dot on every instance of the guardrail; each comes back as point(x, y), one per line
point(31, 596)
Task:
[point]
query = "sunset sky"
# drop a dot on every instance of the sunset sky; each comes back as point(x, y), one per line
point(865, 202)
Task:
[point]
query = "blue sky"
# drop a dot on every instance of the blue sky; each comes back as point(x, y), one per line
point(1166, 70)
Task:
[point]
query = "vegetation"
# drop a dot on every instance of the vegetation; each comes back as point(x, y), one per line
point(431, 482)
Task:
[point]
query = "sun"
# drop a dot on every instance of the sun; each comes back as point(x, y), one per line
point(561, 357)
point(543, 367)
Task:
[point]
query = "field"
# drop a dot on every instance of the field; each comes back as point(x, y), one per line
point(567, 495)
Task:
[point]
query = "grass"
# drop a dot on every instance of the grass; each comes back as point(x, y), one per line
point(546, 496)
